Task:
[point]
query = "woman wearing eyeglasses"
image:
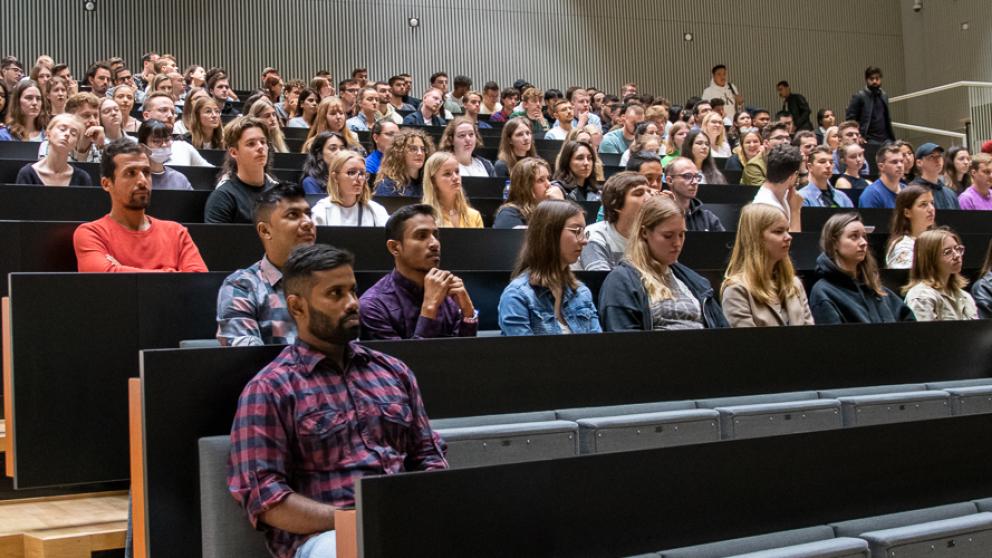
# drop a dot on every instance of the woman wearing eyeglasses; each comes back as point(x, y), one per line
point(349, 202)
point(936, 288)
point(914, 213)
point(544, 297)
point(650, 289)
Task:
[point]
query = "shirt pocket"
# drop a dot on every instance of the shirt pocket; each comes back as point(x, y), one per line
point(391, 426)
point(543, 323)
point(323, 438)
point(583, 319)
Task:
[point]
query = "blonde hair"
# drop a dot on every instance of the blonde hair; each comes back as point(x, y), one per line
point(749, 264)
point(337, 163)
point(431, 195)
point(198, 137)
point(927, 252)
point(275, 134)
point(319, 125)
point(654, 212)
point(721, 139)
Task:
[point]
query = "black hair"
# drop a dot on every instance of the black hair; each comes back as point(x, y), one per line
point(462, 81)
point(436, 75)
point(782, 113)
point(305, 260)
point(553, 94)
point(873, 71)
point(637, 160)
point(820, 114)
point(120, 147)
point(509, 92)
point(315, 166)
point(397, 221)
point(718, 67)
point(153, 129)
point(758, 110)
point(91, 71)
point(490, 86)
point(782, 83)
point(783, 161)
point(266, 201)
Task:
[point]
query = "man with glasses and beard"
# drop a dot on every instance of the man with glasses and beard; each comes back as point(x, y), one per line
point(326, 412)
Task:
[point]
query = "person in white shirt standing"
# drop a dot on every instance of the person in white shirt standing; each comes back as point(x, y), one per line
point(720, 88)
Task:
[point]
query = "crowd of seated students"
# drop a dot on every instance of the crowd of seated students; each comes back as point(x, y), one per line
point(304, 295)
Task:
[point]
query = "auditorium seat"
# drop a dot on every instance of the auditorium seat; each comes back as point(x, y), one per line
point(869, 405)
point(984, 505)
point(761, 399)
point(198, 343)
point(833, 548)
point(970, 400)
point(757, 543)
point(648, 430)
point(489, 420)
point(578, 413)
point(855, 527)
point(773, 419)
point(969, 535)
point(227, 533)
point(496, 444)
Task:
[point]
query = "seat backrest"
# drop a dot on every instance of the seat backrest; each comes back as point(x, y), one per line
point(870, 390)
point(199, 343)
point(756, 399)
point(227, 533)
point(854, 527)
point(485, 420)
point(618, 410)
point(752, 544)
point(510, 443)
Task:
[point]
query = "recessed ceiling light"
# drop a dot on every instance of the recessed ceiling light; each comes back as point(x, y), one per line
point(413, 22)
point(687, 37)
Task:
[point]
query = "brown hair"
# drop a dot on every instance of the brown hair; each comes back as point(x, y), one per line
point(927, 252)
point(505, 147)
point(198, 136)
point(448, 136)
point(899, 225)
point(521, 194)
point(393, 164)
point(615, 192)
point(867, 271)
point(541, 253)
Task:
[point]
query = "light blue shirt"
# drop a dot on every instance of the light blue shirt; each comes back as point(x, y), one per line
point(358, 123)
point(813, 196)
point(528, 310)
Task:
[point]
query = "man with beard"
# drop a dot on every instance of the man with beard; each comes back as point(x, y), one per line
point(417, 300)
point(326, 412)
point(869, 107)
point(251, 304)
point(127, 240)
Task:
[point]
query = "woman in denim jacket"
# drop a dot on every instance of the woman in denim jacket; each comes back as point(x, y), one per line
point(544, 297)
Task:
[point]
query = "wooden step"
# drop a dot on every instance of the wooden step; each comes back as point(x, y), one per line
point(63, 526)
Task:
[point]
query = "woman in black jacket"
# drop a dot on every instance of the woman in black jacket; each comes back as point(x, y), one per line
point(981, 291)
point(650, 290)
point(848, 289)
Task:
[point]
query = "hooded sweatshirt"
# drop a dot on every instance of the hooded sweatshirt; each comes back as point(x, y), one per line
point(837, 298)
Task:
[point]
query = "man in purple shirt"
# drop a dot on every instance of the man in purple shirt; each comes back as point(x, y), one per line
point(325, 413)
point(978, 195)
point(417, 300)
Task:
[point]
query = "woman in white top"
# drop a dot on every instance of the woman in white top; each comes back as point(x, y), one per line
point(349, 200)
point(936, 288)
point(461, 137)
point(914, 214)
point(112, 120)
point(713, 127)
point(307, 104)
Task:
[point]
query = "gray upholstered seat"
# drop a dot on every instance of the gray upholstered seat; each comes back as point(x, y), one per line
point(761, 399)
point(199, 343)
point(970, 400)
point(510, 443)
point(960, 383)
point(721, 549)
point(227, 532)
point(577, 413)
point(865, 410)
point(967, 536)
point(485, 420)
point(854, 527)
point(984, 505)
point(648, 430)
point(870, 390)
point(843, 547)
point(773, 419)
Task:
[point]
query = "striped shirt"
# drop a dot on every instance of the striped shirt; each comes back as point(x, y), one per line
point(304, 426)
point(251, 308)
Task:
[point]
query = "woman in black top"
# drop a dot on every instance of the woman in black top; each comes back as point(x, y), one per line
point(575, 177)
point(54, 169)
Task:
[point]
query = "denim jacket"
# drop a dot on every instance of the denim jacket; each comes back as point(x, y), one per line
point(528, 310)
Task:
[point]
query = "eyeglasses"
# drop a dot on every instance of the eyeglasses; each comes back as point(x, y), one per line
point(579, 232)
point(690, 177)
point(416, 149)
point(353, 173)
point(955, 251)
point(211, 112)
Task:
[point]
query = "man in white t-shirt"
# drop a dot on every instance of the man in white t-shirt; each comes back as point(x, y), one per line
point(779, 189)
point(721, 88)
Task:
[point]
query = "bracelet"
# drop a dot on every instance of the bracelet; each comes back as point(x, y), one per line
point(473, 319)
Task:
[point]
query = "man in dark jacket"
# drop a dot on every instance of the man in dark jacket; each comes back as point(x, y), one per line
point(682, 178)
point(869, 107)
point(796, 105)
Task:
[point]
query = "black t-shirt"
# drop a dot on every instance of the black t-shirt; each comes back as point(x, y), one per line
point(233, 201)
point(27, 175)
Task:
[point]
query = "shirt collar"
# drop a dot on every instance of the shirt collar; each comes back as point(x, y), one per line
point(407, 285)
point(309, 358)
point(270, 272)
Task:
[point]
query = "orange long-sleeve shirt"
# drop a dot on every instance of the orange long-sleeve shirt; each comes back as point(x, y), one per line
point(105, 245)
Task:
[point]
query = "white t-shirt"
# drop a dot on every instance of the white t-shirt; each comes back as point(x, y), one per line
point(766, 196)
point(328, 213)
point(475, 169)
point(185, 155)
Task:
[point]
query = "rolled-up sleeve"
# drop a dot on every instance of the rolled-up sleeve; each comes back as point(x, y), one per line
point(237, 322)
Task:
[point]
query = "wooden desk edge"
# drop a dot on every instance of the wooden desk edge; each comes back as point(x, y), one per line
point(347, 537)
point(137, 453)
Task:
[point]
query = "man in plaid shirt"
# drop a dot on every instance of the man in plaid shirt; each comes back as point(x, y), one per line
point(323, 414)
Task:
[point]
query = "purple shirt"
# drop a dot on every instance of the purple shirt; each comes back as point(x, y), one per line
point(390, 309)
point(305, 426)
point(972, 199)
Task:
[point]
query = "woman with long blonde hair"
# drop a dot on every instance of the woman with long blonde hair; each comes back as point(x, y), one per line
point(349, 201)
point(443, 191)
point(760, 287)
point(713, 128)
point(401, 171)
point(264, 110)
point(206, 131)
point(936, 288)
point(530, 184)
point(650, 289)
point(331, 117)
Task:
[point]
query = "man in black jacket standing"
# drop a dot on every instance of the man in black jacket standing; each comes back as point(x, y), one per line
point(869, 107)
point(796, 105)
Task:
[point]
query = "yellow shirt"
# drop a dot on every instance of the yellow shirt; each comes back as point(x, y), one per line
point(472, 221)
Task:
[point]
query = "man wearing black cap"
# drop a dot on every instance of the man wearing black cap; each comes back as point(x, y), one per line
point(930, 162)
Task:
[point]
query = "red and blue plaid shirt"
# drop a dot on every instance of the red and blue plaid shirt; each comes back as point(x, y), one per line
point(305, 426)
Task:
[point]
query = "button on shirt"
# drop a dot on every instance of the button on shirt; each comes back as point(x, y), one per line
point(251, 308)
point(305, 426)
point(390, 309)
